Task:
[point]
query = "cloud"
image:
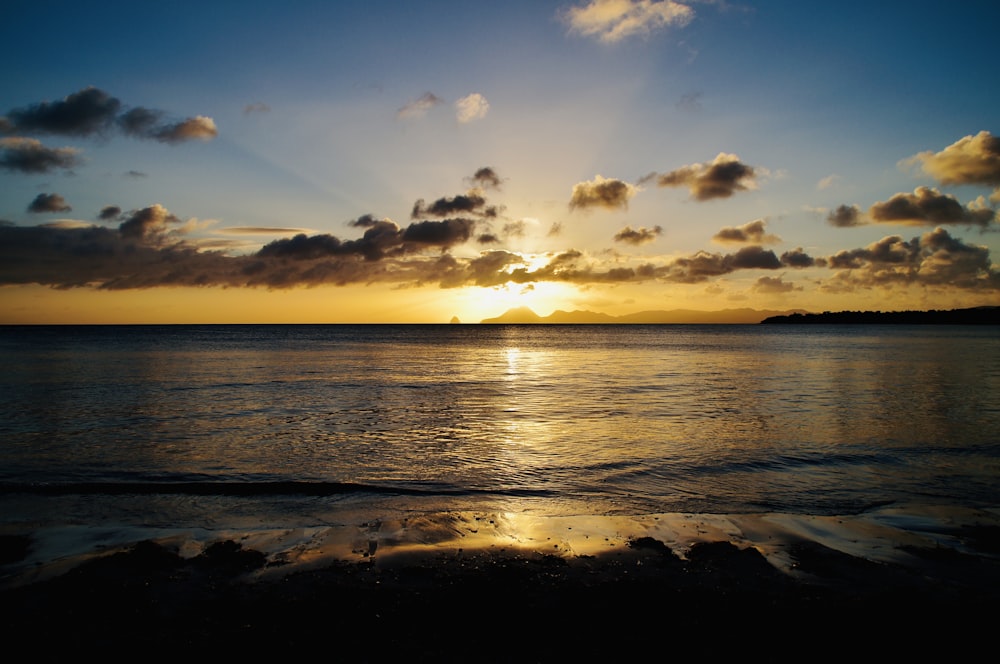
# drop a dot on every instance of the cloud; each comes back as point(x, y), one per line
point(845, 216)
point(150, 223)
point(704, 265)
point(690, 101)
point(600, 192)
point(419, 107)
point(28, 155)
point(933, 259)
point(197, 128)
point(927, 206)
point(827, 182)
point(774, 285)
point(143, 123)
point(150, 248)
point(138, 254)
point(48, 203)
point(753, 231)
point(443, 207)
point(614, 20)
point(109, 212)
point(800, 259)
point(257, 107)
point(721, 178)
point(969, 160)
point(486, 178)
point(639, 235)
point(515, 228)
point(261, 230)
point(89, 111)
point(140, 122)
point(471, 107)
point(92, 111)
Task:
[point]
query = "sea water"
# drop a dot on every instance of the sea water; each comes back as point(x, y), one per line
point(303, 424)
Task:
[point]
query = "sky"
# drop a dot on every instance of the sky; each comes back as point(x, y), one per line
point(415, 162)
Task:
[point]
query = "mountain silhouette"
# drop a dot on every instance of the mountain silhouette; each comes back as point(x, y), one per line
point(524, 315)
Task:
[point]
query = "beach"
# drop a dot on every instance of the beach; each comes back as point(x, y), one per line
point(464, 586)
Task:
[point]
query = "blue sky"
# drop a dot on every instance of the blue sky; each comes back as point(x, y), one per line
point(611, 155)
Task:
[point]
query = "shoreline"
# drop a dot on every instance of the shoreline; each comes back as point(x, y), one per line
point(507, 587)
point(885, 536)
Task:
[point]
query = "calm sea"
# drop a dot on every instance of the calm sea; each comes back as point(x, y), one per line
point(229, 425)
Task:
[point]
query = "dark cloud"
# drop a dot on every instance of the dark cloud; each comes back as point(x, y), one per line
point(927, 206)
point(28, 155)
point(486, 178)
point(845, 216)
point(92, 112)
point(933, 259)
point(109, 212)
point(257, 107)
point(443, 234)
point(601, 192)
point(753, 231)
point(365, 221)
point(89, 111)
point(704, 265)
point(48, 203)
point(721, 178)
point(639, 235)
point(444, 207)
point(150, 223)
point(382, 238)
point(135, 174)
point(139, 122)
point(798, 258)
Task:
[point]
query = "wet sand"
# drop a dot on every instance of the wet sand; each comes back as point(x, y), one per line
point(508, 587)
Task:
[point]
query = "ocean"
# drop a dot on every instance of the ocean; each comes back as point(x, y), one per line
point(258, 426)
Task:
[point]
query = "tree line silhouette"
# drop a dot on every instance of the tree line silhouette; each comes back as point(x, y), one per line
point(972, 316)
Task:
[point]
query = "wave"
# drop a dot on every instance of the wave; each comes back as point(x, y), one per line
point(269, 488)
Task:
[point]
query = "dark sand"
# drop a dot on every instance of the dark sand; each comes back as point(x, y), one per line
point(680, 589)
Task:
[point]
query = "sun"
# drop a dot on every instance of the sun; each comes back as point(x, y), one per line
point(477, 303)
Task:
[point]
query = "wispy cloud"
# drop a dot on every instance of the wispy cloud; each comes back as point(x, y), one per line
point(418, 107)
point(614, 20)
point(256, 107)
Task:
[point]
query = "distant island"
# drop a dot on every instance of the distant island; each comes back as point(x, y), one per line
point(973, 316)
point(524, 315)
